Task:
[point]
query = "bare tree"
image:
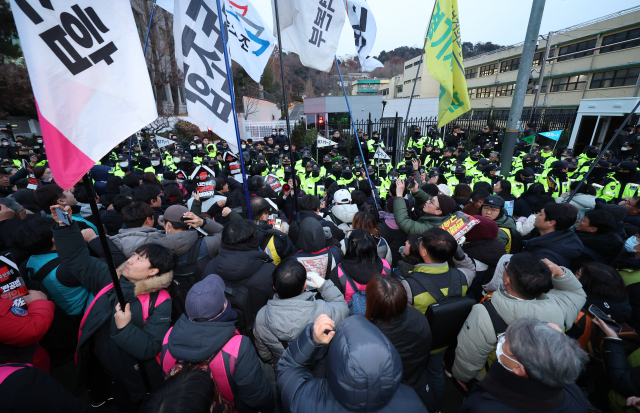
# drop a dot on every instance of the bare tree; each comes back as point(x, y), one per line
point(250, 106)
point(161, 124)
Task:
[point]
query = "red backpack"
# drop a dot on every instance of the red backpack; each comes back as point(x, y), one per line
point(215, 366)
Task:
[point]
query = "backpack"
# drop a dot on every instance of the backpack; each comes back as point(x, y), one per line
point(447, 315)
point(8, 369)
point(185, 275)
point(240, 300)
point(499, 327)
point(216, 366)
point(350, 287)
point(514, 246)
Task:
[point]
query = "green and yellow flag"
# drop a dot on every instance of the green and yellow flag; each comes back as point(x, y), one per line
point(444, 61)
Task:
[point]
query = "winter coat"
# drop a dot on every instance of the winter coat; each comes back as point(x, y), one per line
point(504, 392)
point(31, 390)
point(363, 373)
point(195, 342)
point(523, 206)
point(138, 341)
point(424, 224)
point(583, 202)
point(294, 231)
point(508, 223)
point(597, 247)
point(477, 339)
point(358, 271)
point(24, 330)
point(486, 254)
point(558, 247)
point(395, 238)
point(314, 252)
point(624, 379)
point(284, 319)
point(252, 269)
point(411, 336)
point(128, 239)
point(524, 228)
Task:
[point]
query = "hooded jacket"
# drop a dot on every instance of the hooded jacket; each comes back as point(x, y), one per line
point(363, 373)
point(558, 247)
point(195, 342)
point(314, 254)
point(294, 229)
point(506, 222)
point(252, 269)
point(477, 339)
point(138, 341)
point(599, 247)
point(424, 224)
point(282, 320)
point(583, 202)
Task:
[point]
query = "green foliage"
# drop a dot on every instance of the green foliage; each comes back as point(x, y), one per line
point(404, 52)
point(300, 136)
point(186, 130)
point(8, 32)
point(469, 49)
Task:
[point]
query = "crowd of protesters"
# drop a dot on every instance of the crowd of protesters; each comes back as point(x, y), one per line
point(324, 285)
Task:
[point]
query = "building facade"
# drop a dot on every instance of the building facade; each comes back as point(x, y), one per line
point(368, 86)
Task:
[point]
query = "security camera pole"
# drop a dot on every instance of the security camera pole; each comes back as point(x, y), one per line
point(520, 92)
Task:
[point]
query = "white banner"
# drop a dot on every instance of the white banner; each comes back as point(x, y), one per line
point(311, 28)
point(200, 55)
point(88, 74)
point(322, 142)
point(364, 32)
point(162, 142)
point(381, 154)
point(250, 43)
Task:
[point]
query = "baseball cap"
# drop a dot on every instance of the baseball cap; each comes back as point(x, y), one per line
point(174, 213)
point(206, 298)
point(342, 196)
point(494, 201)
point(444, 189)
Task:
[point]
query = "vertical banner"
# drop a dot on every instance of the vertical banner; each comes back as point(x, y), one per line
point(311, 29)
point(444, 61)
point(200, 55)
point(364, 32)
point(89, 79)
point(250, 44)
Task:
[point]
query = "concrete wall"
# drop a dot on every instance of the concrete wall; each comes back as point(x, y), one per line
point(264, 110)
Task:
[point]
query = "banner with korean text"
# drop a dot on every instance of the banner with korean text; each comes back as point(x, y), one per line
point(89, 79)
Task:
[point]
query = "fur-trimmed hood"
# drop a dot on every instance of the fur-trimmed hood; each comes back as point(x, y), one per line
point(150, 285)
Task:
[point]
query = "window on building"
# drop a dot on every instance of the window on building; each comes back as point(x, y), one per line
point(629, 35)
point(406, 82)
point(509, 65)
point(484, 92)
point(182, 97)
point(537, 58)
point(408, 66)
point(399, 89)
point(615, 78)
point(566, 111)
point(526, 113)
point(488, 70)
point(505, 90)
point(480, 114)
point(561, 84)
point(576, 47)
point(472, 93)
point(543, 89)
point(471, 73)
point(502, 113)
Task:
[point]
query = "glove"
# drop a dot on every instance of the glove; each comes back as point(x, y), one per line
point(459, 255)
point(314, 280)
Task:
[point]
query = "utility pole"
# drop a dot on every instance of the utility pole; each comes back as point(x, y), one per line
point(520, 92)
point(538, 87)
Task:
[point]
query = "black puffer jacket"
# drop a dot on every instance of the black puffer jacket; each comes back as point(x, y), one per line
point(411, 336)
point(252, 269)
point(624, 378)
point(363, 373)
point(294, 232)
point(395, 238)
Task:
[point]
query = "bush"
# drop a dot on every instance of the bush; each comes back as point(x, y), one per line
point(300, 136)
point(186, 130)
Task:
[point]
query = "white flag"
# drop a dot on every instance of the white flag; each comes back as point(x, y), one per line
point(200, 55)
point(250, 43)
point(311, 28)
point(322, 142)
point(89, 79)
point(364, 32)
point(162, 142)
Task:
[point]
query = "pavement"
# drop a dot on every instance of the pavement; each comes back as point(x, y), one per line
point(296, 112)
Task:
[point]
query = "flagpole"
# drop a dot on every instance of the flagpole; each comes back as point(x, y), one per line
point(149, 29)
point(373, 188)
point(286, 112)
point(103, 240)
point(233, 106)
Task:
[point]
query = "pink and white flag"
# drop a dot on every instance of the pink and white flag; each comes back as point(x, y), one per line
point(89, 78)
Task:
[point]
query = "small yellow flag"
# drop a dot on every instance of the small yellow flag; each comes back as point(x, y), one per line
point(444, 61)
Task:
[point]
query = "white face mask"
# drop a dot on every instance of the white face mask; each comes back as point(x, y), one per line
point(124, 164)
point(624, 149)
point(155, 163)
point(39, 141)
point(499, 352)
point(5, 143)
point(244, 146)
point(176, 160)
point(286, 148)
point(281, 133)
point(192, 147)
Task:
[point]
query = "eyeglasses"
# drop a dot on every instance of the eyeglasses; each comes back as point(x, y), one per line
point(432, 203)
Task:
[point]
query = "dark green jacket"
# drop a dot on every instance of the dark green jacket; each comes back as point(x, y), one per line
point(138, 341)
point(410, 226)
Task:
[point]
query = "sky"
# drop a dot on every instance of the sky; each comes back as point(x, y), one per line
point(504, 22)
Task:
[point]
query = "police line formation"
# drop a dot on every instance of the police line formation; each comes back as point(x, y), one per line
point(357, 297)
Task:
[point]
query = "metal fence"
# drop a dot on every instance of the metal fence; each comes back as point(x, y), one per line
point(395, 131)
